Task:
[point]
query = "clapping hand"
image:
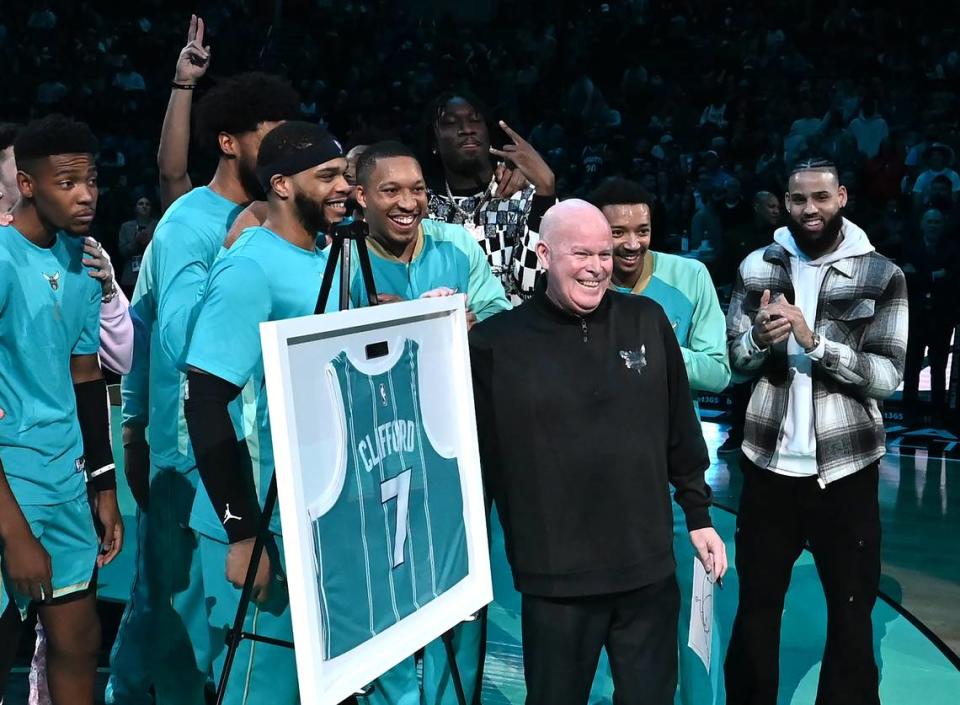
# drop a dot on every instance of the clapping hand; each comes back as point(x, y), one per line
point(769, 329)
point(782, 310)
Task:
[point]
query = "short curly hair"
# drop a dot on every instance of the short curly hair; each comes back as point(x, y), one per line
point(8, 133)
point(49, 135)
point(240, 103)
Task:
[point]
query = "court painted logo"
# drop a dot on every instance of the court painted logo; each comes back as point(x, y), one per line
point(635, 359)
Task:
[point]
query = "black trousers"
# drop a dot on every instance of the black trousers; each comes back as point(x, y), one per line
point(562, 638)
point(740, 395)
point(927, 329)
point(778, 517)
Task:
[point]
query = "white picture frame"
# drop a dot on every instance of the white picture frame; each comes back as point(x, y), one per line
point(295, 354)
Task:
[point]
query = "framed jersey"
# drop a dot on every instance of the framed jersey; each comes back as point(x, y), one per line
point(379, 488)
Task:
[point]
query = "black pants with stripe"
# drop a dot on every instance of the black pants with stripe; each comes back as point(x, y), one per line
point(779, 516)
point(562, 639)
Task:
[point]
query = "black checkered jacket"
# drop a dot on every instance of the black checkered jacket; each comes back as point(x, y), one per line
point(862, 319)
point(507, 234)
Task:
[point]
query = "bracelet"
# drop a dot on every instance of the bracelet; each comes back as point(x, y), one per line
point(182, 86)
point(103, 479)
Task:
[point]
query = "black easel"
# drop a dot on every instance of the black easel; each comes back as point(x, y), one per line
point(344, 234)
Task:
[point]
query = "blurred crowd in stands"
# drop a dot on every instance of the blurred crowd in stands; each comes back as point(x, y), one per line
point(705, 103)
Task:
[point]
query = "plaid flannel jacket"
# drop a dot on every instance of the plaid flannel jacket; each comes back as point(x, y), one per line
point(862, 319)
point(504, 234)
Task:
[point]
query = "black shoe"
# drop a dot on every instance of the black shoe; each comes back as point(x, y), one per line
point(731, 445)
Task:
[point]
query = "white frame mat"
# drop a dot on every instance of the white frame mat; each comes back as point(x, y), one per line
point(295, 355)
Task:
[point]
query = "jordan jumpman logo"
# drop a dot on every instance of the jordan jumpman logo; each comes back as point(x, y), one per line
point(228, 515)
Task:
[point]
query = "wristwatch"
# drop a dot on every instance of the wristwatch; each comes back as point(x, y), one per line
point(814, 345)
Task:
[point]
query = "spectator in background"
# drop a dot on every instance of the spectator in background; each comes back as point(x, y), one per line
point(931, 266)
point(134, 237)
point(734, 210)
point(869, 129)
point(42, 18)
point(939, 195)
point(706, 233)
point(939, 158)
point(127, 78)
point(883, 175)
point(548, 135)
point(890, 233)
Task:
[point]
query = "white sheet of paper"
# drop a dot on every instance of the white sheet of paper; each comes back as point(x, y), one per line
point(701, 614)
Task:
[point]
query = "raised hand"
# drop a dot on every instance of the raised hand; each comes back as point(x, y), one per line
point(527, 160)
point(510, 180)
point(194, 59)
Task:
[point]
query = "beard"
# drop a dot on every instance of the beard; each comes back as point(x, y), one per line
point(250, 182)
point(310, 214)
point(817, 242)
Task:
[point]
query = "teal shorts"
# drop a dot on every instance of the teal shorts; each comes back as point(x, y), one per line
point(67, 533)
point(261, 673)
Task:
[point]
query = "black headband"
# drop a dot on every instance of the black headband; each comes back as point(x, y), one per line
point(306, 158)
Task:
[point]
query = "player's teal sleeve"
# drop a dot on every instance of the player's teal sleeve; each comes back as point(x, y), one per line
point(485, 295)
point(225, 340)
point(705, 357)
point(89, 341)
point(182, 259)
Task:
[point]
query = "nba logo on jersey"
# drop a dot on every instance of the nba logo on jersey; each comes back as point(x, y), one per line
point(394, 539)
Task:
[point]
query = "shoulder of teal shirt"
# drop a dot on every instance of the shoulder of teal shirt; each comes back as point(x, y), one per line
point(440, 231)
point(202, 211)
point(679, 272)
point(485, 295)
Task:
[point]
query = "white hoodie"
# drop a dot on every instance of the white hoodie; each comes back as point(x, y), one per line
point(797, 453)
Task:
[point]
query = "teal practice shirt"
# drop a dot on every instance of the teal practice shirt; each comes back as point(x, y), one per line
point(49, 310)
point(173, 270)
point(686, 294)
point(262, 277)
point(446, 256)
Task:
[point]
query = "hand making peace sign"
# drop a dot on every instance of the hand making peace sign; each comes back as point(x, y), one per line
point(522, 157)
point(194, 59)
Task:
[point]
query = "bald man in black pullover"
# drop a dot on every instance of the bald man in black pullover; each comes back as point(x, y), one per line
point(581, 486)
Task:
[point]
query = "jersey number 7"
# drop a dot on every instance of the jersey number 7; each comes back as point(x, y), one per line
point(398, 487)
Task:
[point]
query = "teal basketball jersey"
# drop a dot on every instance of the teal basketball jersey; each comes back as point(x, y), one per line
point(394, 539)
